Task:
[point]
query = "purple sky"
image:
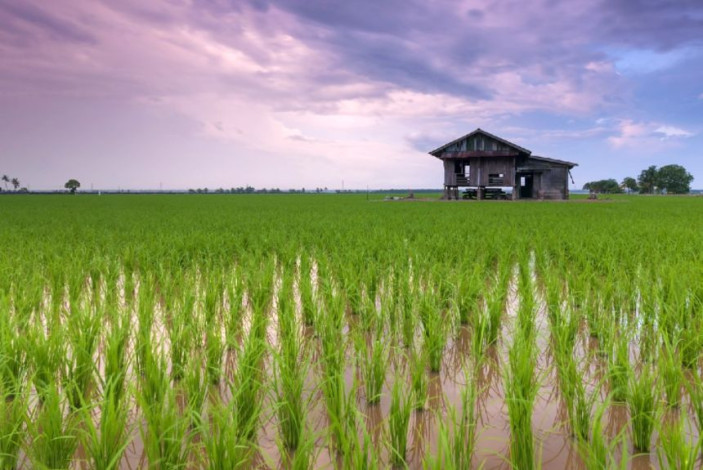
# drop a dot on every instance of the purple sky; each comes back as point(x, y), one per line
point(306, 93)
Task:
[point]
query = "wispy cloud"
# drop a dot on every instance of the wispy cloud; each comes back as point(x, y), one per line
point(646, 136)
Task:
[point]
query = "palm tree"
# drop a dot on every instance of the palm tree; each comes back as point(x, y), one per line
point(6, 179)
point(15, 183)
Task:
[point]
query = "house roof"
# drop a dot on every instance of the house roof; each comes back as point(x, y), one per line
point(438, 150)
point(553, 160)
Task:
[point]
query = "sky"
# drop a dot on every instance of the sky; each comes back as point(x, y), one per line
point(179, 94)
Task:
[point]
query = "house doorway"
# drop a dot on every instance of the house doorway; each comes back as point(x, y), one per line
point(526, 185)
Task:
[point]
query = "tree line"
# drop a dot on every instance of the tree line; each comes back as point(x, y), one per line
point(669, 179)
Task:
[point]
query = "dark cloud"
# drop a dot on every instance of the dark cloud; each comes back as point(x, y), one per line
point(15, 17)
point(656, 24)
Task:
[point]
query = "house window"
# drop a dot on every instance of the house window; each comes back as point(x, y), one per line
point(496, 179)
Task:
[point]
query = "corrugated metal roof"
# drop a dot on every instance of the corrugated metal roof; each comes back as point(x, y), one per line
point(480, 131)
point(554, 160)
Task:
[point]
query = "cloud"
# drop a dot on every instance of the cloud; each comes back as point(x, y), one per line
point(645, 136)
point(375, 81)
point(671, 131)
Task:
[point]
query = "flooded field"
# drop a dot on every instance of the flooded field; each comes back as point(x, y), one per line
point(329, 332)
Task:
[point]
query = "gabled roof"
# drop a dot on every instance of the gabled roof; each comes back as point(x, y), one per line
point(438, 150)
point(553, 160)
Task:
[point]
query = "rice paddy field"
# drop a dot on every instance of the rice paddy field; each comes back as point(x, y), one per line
point(332, 331)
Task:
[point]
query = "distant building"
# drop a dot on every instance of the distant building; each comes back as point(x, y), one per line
point(489, 167)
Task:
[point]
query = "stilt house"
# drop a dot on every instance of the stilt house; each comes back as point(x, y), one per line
point(488, 167)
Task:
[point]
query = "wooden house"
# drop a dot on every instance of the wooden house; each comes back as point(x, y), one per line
point(485, 165)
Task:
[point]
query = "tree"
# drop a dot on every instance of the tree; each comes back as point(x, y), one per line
point(5, 179)
point(647, 180)
point(15, 183)
point(72, 185)
point(629, 184)
point(674, 179)
point(603, 186)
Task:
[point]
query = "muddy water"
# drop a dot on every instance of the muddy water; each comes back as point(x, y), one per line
point(554, 444)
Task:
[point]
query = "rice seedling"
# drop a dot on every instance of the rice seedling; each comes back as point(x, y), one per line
point(166, 431)
point(226, 446)
point(675, 449)
point(419, 382)
point(669, 369)
point(398, 422)
point(13, 430)
point(619, 370)
point(214, 349)
point(521, 387)
point(694, 387)
point(53, 432)
point(359, 453)
point(642, 400)
point(593, 448)
point(372, 360)
point(307, 297)
point(247, 388)
point(290, 367)
point(105, 443)
point(435, 328)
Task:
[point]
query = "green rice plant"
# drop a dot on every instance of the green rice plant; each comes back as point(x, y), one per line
point(247, 387)
point(463, 441)
point(521, 387)
point(290, 367)
point(214, 350)
point(593, 449)
point(226, 446)
point(479, 337)
point(13, 358)
point(358, 453)
point(468, 295)
point(233, 315)
point(116, 359)
point(307, 296)
point(435, 328)
point(675, 450)
point(619, 370)
point(694, 387)
point(373, 359)
point(45, 354)
point(408, 315)
point(419, 382)
point(456, 436)
point(13, 430)
point(670, 370)
point(443, 457)
point(304, 456)
point(642, 400)
point(398, 423)
point(495, 303)
point(195, 386)
point(340, 404)
point(165, 430)
point(180, 333)
point(582, 415)
point(53, 432)
point(105, 444)
point(83, 331)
